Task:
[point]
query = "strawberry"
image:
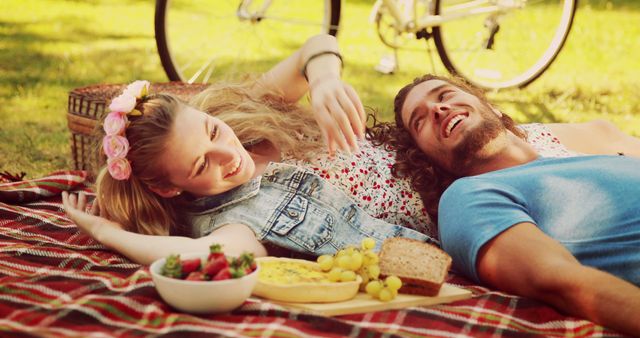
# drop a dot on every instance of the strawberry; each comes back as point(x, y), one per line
point(215, 265)
point(223, 274)
point(245, 259)
point(190, 265)
point(249, 268)
point(215, 251)
point(237, 272)
point(196, 275)
point(172, 267)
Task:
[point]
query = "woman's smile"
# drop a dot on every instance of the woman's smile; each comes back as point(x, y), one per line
point(235, 169)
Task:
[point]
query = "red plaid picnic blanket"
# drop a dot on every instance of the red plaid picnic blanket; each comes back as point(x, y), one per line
point(58, 282)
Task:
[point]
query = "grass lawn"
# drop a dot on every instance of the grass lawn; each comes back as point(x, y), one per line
point(49, 47)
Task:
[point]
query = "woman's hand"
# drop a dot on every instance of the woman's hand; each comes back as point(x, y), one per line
point(88, 221)
point(339, 113)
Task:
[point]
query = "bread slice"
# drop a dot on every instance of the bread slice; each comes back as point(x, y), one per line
point(422, 267)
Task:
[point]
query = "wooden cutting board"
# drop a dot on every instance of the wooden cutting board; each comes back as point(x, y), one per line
point(362, 302)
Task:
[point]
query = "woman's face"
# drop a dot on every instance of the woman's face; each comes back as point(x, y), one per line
point(204, 156)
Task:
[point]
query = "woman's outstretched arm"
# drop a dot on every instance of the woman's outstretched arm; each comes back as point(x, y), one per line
point(597, 137)
point(336, 105)
point(144, 249)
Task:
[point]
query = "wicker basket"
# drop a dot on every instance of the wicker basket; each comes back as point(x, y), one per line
point(88, 104)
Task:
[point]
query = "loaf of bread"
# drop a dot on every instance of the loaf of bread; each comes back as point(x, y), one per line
point(422, 267)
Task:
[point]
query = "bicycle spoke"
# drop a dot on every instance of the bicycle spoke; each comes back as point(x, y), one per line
point(207, 65)
point(512, 47)
point(207, 40)
point(208, 75)
point(292, 21)
point(530, 3)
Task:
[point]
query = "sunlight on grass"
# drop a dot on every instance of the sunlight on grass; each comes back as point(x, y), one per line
point(200, 33)
point(50, 47)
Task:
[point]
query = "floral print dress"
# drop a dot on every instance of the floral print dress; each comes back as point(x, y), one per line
point(366, 178)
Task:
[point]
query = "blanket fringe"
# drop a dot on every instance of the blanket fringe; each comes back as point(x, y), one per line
point(7, 177)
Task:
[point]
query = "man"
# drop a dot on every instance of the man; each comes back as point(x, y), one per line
point(563, 231)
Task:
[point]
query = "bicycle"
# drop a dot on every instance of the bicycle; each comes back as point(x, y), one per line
point(480, 40)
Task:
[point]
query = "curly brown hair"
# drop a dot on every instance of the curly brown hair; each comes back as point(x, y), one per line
point(427, 178)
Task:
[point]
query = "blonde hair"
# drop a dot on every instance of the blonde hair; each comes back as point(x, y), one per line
point(256, 114)
point(253, 113)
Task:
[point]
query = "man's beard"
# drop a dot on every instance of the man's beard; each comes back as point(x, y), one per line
point(469, 151)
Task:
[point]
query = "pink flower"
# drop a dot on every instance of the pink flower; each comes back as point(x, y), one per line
point(123, 103)
point(115, 123)
point(138, 89)
point(115, 146)
point(119, 168)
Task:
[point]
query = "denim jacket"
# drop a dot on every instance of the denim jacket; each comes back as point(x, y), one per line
point(296, 209)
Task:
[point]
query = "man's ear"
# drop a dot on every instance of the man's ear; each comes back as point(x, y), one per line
point(166, 192)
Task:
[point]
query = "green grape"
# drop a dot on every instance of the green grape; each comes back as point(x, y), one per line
point(325, 262)
point(368, 243)
point(394, 293)
point(365, 276)
point(344, 262)
point(393, 283)
point(347, 276)
point(374, 271)
point(350, 250)
point(373, 288)
point(370, 258)
point(340, 253)
point(323, 257)
point(385, 295)
point(334, 274)
point(356, 261)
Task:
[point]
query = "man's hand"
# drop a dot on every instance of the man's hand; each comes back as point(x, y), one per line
point(339, 113)
point(86, 220)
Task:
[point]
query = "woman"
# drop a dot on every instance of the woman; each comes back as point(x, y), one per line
point(225, 180)
point(257, 171)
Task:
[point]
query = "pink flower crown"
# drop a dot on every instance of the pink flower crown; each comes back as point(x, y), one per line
point(115, 143)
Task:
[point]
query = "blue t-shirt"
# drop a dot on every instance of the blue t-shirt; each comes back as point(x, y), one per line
point(590, 204)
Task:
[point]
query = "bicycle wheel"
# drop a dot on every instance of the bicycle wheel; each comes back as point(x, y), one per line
point(505, 49)
point(208, 40)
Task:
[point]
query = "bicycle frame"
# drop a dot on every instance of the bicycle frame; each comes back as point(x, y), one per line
point(244, 13)
point(404, 23)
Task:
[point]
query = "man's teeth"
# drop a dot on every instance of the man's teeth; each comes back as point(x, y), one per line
point(453, 123)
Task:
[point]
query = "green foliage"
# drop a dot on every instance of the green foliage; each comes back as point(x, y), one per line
point(49, 47)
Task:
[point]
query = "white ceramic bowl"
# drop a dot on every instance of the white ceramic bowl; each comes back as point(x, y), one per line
point(202, 296)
